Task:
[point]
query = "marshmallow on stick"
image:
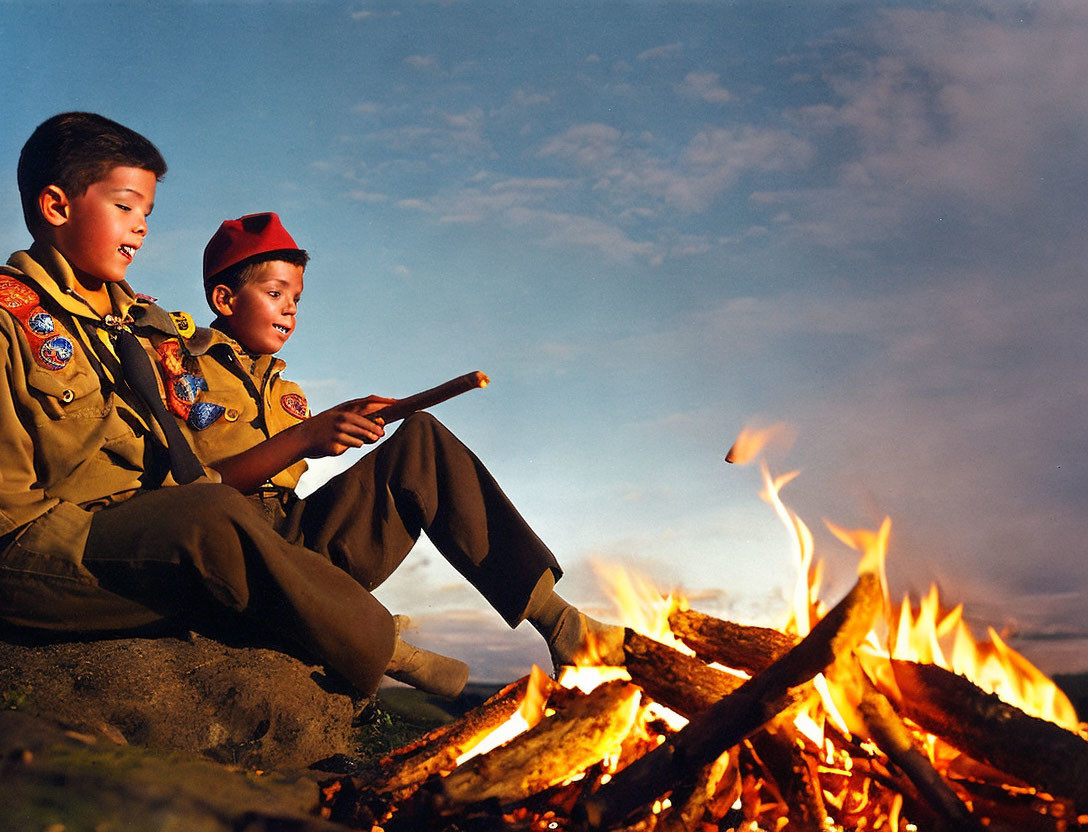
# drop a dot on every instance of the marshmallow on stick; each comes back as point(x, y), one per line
point(429, 398)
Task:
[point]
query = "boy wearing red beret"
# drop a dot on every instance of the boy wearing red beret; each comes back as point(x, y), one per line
point(254, 427)
point(108, 521)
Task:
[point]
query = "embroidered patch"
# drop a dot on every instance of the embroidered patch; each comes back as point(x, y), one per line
point(41, 322)
point(187, 386)
point(295, 404)
point(181, 387)
point(183, 323)
point(50, 350)
point(14, 294)
point(203, 414)
point(56, 352)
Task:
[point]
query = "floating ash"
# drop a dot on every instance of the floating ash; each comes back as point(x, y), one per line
point(861, 716)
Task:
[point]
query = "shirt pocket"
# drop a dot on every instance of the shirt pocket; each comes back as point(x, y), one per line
point(74, 392)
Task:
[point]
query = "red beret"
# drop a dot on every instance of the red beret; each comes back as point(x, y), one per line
point(245, 237)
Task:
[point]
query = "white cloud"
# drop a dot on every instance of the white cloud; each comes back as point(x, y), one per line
point(705, 86)
point(955, 109)
point(664, 51)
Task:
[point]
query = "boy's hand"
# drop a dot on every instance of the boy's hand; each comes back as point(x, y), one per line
point(333, 431)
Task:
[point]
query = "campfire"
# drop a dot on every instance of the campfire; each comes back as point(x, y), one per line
point(856, 717)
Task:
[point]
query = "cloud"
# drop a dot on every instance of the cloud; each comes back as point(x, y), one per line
point(705, 86)
point(981, 116)
point(587, 145)
point(422, 62)
point(664, 51)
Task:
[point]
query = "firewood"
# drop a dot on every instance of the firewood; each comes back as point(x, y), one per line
point(778, 749)
point(880, 722)
point(439, 749)
point(739, 714)
point(557, 748)
point(983, 727)
point(739, 646)
point(689, 806)
point(678, 681)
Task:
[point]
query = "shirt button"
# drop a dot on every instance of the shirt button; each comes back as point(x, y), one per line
point(231, 415)
point(67, 396)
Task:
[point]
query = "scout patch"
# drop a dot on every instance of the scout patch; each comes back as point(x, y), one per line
point(50, 349)
point(55, 353)
point(182, 388)
point(183, 323)
point(295, 404)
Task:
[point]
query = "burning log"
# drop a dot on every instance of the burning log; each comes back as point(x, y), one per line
point(717, 783)
point(739, 714)
point(439, 749)
point(743, 647)
point(556, 749)
point(680, 682)
point(879, 721)
point(779, 751)
point(983, 727)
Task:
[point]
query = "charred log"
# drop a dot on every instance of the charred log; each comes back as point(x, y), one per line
point(558, 748)
point(739, 646)
point(983, 727)
point(739, 714)
point(678, 681)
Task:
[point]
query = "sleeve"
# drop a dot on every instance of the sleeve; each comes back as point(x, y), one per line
point(49, 525)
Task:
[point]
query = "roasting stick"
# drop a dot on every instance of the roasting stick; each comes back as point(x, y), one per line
point(429, 398)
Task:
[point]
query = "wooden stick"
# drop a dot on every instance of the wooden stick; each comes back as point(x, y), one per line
point(555, 749)
point(882, 724)
point(678, 681)
point(429, 398)
point(738, 646)
point(439, 749)
point(739, 714)
point(980, 725)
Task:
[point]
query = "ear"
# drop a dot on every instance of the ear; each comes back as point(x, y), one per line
point(53, 205)
point(223, 301)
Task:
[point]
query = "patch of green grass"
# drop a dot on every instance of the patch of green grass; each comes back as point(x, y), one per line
point(15, 699)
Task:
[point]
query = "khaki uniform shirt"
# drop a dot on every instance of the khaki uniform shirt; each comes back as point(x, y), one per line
point(70, 442)
point(256, 402)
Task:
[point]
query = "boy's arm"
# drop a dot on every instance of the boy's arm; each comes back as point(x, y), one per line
point(329, 433)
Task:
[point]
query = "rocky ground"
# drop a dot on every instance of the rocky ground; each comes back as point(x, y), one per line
point(183, 732)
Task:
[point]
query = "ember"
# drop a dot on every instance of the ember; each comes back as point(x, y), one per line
point(715, 725)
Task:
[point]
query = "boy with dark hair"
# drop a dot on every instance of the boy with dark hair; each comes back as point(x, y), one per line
point(366, 520)
point(89, 537)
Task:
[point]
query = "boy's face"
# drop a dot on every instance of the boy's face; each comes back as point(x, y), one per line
point(99, 231)
point(261, 314)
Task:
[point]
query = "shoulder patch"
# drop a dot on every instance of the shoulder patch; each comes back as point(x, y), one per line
point(182, 388)
point(51, 349)
point(183, 323)
point(295, 404)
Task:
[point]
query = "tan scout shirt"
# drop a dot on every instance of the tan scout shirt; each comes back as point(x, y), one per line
point(257, 401)
point(69, 444)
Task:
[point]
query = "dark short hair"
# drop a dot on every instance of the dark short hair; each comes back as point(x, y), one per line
point(75, 150)
point(236, 276)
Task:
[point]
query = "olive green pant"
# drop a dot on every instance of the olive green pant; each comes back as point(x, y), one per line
point(307, 574)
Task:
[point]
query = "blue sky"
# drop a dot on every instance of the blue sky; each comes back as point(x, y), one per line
point(653, 224)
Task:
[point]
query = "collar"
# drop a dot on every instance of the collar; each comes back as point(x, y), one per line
point(54, 276)
point(228, 348)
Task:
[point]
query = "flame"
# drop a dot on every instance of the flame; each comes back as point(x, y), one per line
point(924, 632)
point(530, 711)
point(752, 441)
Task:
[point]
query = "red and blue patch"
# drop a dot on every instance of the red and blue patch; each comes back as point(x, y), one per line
point(50, 349)
point(295, 404)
